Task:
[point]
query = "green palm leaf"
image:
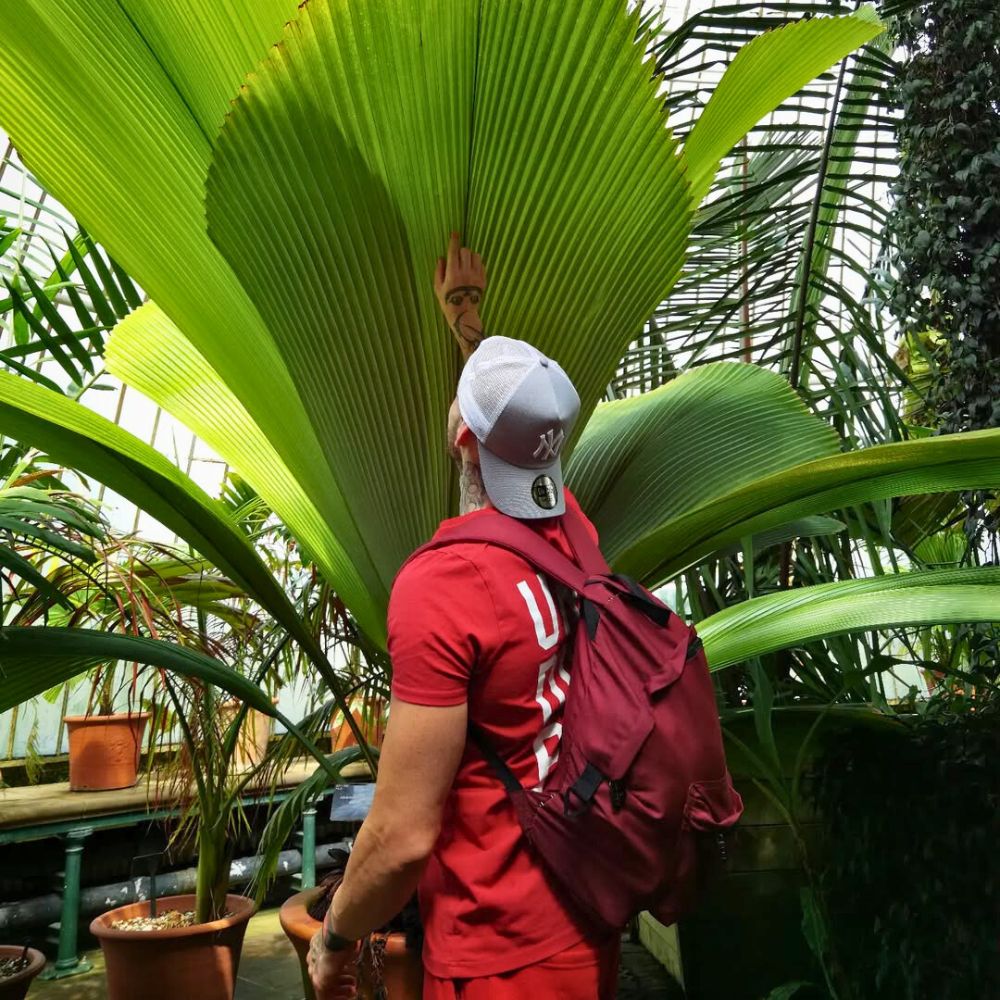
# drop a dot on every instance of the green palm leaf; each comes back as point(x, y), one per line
point(774, 269)
point(73, 434)
point(795, 617)
point(933, 465)
point(646, 460)
point(150, 353)
point(95, 116)
point(350, 151)
point(762, 75)
point(36, 659)
point(727, 451)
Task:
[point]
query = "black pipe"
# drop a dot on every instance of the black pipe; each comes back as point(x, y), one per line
point(41, 910)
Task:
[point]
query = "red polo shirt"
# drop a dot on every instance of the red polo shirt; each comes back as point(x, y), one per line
point(473, 622)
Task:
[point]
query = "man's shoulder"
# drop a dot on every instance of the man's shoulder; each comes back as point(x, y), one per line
point(457, 560)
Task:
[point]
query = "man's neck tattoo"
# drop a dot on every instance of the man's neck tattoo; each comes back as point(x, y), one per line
point(472, 492)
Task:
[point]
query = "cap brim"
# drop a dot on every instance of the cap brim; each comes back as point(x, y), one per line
point(527, 494)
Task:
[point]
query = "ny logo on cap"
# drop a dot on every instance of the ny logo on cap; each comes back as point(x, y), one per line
point(549, 444)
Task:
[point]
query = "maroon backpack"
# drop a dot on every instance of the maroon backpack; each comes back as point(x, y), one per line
point(638, 804)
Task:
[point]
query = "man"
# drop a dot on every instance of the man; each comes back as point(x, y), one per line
point(476, 634)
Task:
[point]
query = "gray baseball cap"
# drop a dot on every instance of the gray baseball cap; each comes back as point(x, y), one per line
point(521, 406)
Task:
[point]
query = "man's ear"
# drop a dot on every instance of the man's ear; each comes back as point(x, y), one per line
point(466, 440)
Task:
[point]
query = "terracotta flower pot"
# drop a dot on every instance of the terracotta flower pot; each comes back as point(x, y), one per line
point(402, 970)
point(341, 735)
point(15, 987)
point(255, 734)
point(104, 750)
point(181, 963)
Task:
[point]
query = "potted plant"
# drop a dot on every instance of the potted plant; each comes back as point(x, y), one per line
point(18, 967)
point(390, 963)
point(189, 945)
point(105, 745)
point(52, 537)
point(369, 703)
point(135, 588)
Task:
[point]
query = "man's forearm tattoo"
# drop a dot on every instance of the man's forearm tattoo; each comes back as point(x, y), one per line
point(472, 495)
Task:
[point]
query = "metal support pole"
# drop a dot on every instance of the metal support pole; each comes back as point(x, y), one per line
point(68, 962)
point(306, 878)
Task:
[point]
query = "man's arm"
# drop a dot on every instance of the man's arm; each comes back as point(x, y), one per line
point(420, 756)
point(460, 283)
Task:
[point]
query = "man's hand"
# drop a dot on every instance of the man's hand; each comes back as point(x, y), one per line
point(460, 283)
point(332, 972)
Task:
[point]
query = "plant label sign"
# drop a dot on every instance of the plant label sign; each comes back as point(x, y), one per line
point(350, 803)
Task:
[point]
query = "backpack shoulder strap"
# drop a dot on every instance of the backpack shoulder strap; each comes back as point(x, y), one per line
point(511, 534)
point(588, 554)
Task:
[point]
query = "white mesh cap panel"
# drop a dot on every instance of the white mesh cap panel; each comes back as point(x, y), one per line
point(490, 377)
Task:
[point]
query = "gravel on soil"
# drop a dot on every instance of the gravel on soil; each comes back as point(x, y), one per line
point(162, 922)
point(12, 966)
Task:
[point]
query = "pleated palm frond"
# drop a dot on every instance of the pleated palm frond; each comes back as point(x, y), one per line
point(728, 451)
point(777, 621)
point(283, 205)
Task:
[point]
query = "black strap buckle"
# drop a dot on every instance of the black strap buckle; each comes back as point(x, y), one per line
point(583, 789)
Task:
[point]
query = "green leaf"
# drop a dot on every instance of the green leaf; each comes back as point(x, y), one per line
point(832, 189)
point(150, 353)
point(207, 47)
point(51, 342)
point(7, 240)
point(15, 563)
point(77, 437)
point(34, 659)
point(787, 990)
point(99, 303)
point(762, 75)
point(111, 290)
point(726, 451)
point(643, 462)
point(794, 617)
point(51, 539)
point(95, 116)
point(958, 462)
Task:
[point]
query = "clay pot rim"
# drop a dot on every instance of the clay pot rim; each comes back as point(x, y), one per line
point(293, 914)
point(35, 966)
point(242, 906)
point(114, 717)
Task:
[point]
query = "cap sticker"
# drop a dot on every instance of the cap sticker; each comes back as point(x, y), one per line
point(543, 492)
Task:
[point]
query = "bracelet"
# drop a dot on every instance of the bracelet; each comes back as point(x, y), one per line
point(333, 941)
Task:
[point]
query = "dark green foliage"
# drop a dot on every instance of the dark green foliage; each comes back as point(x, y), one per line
point(913, 873)
point(946, 218)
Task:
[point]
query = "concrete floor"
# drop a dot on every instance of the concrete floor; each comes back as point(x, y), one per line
point(269, 970)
